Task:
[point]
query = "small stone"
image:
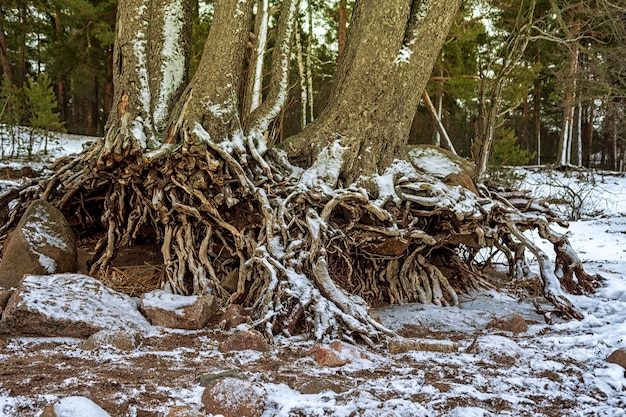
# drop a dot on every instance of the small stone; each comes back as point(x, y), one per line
point(207, 379)
point(618, 357)
point(123, 340)
point(74, 406)
point(495, 347)
point(510, 323)
point(318, 385)
point(178, 311)
point(183, 411)
point(245, 340)
point(405, 345)
point(233, 317)
point(336, 354)
point(233, 397)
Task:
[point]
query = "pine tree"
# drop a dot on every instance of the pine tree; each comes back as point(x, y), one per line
point(42, 103)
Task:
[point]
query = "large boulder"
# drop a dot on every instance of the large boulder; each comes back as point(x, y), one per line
point(178, 311)
point(42, 243)
point(69, 305)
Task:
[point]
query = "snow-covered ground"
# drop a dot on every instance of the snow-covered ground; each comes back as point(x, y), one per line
point(551, 370)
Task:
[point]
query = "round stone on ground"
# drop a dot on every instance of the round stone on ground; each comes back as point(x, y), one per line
point(618, 357)
point(510, 323)
point(233, 397)
point(245, 340)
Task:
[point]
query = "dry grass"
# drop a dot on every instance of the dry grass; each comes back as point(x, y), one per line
point(133, 280)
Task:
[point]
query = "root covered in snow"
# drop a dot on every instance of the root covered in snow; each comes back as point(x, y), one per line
point(305, 255)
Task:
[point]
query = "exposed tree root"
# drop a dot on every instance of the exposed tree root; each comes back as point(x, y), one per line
point(307, 257)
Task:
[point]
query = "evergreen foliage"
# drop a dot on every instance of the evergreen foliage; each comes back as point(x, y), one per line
point(43, 119)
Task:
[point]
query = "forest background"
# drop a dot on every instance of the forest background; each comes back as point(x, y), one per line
point(560, 101)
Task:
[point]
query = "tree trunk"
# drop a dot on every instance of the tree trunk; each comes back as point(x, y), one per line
point(4, 56)
point(342, 32)
point(258, 58)
point(491, 90)
point(565, 142)
point(387, 62)
point(149, 72)
point(588, 135)
point(537, 119)
point(610, 135)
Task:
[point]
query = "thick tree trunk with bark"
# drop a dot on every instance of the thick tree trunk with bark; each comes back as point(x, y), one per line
point(388, 59)
point(149, 73)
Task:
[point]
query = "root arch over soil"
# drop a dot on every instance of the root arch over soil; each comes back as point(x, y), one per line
point(304, 255)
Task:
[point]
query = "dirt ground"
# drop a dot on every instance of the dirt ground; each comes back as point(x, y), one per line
point(166, 371)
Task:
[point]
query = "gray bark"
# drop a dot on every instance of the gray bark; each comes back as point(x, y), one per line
point(149, 68)
point(389, 57)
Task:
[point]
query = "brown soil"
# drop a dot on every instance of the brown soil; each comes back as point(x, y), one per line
point(154, 378)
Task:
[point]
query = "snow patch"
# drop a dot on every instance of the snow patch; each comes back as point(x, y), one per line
point(38, 234)
point(433, 162)
point(78, 407)
point(55, 296)
point(404, 55)
point(325, 170)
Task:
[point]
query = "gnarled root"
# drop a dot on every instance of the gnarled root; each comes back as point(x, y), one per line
point(304, 258)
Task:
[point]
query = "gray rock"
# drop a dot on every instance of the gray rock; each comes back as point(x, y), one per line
point(233, 397)
point(178, 311)
point(68, 305)
point(42, 243)
point(124, 340)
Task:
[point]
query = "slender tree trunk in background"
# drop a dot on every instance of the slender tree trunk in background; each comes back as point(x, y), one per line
point(4, 56)
point(565, 141)
point(107, 99)
point(61, 82)
point(537, 119)
point(441, 130)
point(388, 59)
point(258, 57)
point(588, 135)
point(578, 136)
point(309, 63)
point(342, 34)
point(439, 100)
point(23, 19)
point(302, 77)
point(525, 124)
point(610, 136)
point(491, 90)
